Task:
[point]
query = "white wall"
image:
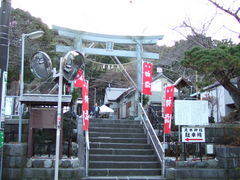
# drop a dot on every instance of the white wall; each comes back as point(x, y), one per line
point(158, 89)
point(228, 98)
point(157, 85)
point(123, 107)
point(223, 98)
point(115, 107)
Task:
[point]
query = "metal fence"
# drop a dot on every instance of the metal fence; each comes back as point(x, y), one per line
point(153, 138)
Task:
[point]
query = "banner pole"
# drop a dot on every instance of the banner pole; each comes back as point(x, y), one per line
point(59, 112)
point(142, 84)
point(179, 138)
point(164, 155)
point(164, 141)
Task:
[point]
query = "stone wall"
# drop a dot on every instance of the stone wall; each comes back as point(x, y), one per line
point(14, 160)
point(17, 167)
point(225, 166)
point(228, 156)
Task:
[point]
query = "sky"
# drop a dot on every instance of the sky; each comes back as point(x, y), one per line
point(135, 17)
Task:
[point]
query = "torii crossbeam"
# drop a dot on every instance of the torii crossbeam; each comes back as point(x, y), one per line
point(79, 37)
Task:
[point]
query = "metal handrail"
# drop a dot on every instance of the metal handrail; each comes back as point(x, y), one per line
point(154, 139)
point(87, 151)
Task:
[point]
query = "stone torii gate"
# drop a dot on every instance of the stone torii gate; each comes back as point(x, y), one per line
point(79, 37)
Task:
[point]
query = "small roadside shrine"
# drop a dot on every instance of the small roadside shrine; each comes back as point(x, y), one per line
point(43, 115)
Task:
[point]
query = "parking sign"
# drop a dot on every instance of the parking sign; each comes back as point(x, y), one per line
point(193, 134)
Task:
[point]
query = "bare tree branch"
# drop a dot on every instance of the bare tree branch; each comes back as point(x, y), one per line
point(207, 25)
point(186, 36)
point(228, 11)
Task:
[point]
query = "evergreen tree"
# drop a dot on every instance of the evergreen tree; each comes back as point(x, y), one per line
point(221, 63)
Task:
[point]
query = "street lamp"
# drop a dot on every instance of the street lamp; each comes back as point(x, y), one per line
point(32, 35)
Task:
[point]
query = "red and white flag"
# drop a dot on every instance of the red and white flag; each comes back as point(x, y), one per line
point(147, 78)
point(168, 106)
point(85, 106)
point(79, 78)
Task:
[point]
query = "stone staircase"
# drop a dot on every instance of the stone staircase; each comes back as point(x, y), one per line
point(119, 150)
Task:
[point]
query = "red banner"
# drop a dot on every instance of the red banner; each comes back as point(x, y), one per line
point(79, 79)
point(168, 106)
point(85, 106)
point(147, 78)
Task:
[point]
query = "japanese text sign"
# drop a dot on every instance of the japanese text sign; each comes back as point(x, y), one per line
point(85, 106)
point(147, 78)
point(193, 134)
point(169, 97)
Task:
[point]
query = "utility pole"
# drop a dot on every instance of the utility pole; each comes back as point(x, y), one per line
point(5, 11)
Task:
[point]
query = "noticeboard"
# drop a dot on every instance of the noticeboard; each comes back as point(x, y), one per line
point(191, 112)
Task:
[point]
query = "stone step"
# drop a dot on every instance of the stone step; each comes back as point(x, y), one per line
point(120, 145)
point(118, 140)
point(116, 130)
point(123, 172)
point(118, 121)
point(113, 135)
point(124, 178)
point(121, 151)
point(123, 164)
point(107, 157)
point(115, 125)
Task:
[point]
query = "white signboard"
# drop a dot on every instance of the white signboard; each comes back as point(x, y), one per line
point(193, 134)
point(4, 85)
point(191, 112)
point(9, 106)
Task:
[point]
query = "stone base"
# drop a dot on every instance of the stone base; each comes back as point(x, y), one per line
point(201, 173)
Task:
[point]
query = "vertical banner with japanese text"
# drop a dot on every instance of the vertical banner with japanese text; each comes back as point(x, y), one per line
point(147, 78)
point(79, 78)
point(168, 106)
point(85, 106)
